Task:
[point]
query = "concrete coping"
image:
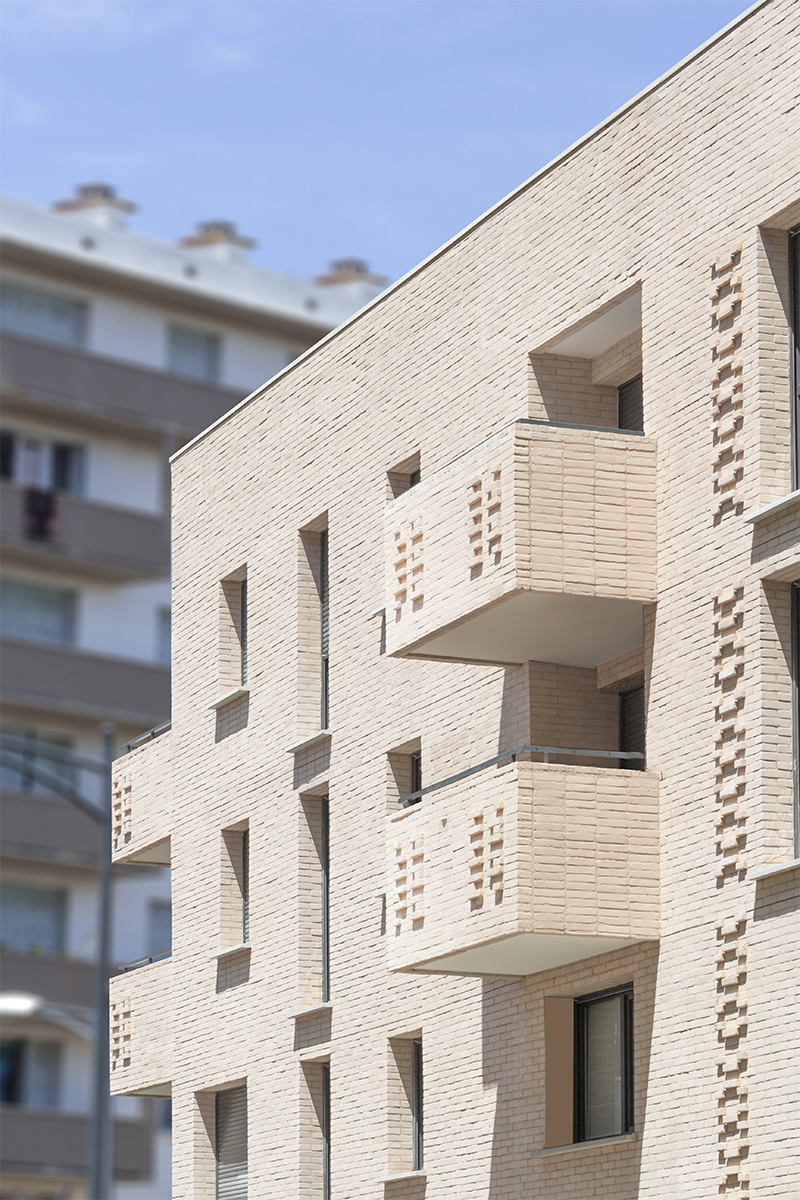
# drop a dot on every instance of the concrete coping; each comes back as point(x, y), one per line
point(771, 510)
point(311, 1011)
point(230, 950)
point(306, 744)
point(403, 1176)
point(617, 1140)
point(233, 694)
point(776, 869)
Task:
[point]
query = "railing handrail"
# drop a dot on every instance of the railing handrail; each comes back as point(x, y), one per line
point(149, 736)
point(405, 801)
point(143, 962)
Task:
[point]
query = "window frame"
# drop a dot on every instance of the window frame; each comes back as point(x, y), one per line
point(582, 1004)
point(795, 675)
point(793, 240)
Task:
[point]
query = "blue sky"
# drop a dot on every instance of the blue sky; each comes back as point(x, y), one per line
point(324, 128)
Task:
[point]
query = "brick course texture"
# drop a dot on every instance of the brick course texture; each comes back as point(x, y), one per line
point(683, 199)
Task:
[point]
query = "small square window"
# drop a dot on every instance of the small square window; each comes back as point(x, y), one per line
point(193, 352)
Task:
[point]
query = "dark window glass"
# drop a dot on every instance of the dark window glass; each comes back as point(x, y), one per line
point(11, 1072)
point(416, 772)
point(324, 855)
point(630, 405)
point(794, 331)
point(243, 629)
point(68, 468)
point(796, 710)
point(603, 1088)
point(246, 886)
point(324, 630)
point(6, 456)
point(632, 727)
point(418, 1132)
point(326, 1131)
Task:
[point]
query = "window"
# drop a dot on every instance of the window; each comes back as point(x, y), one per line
point(603, 1096)
point(43, 315)
point(794, 344)
point(235, 887)
point(630, 405)
point(159, 926)
point(795, 652)
point(164, 635)
point(324, 624)
point(41, 463)
point(231, 1144)
point(29, 1073)
point(314, 980)
point(243, 629)
point(632, 727)
point(233, 658)
point(315, 1131)
point(30, 757)
point(193, 352)
point(405, 773)
point(32, 919)
point(417, 1126)
point(404, 476)
point(44, 614)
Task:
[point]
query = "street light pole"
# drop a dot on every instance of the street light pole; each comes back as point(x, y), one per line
point(101, 1139)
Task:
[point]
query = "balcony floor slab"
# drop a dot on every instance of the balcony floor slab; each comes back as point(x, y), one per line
point(523, 954)
point(558, 627)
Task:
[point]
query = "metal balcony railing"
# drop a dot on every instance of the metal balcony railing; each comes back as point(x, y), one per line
point(149, 736)
point(546, 751)
point(159, 956)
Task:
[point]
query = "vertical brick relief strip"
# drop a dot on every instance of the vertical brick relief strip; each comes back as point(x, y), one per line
point(731, 864)
point(727, 385)
point(485, 521)
point(408, 566)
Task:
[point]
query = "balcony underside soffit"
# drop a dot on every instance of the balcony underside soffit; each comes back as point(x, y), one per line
point(523, 954)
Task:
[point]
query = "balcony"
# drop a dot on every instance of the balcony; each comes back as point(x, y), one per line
point(523, 866)
point(140, 1005)
point(538, 545)
point(60, 380)
point(56, 979)
point(142, 801)
point(56, 1144)
point(53, 678)
point(95, 539)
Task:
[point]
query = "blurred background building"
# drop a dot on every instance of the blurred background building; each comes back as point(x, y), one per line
point(117, 348)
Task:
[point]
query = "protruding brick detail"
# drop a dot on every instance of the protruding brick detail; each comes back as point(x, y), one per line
point(727, 384)
point(485, 858)
point(409, 884)
point(409, 566)
point(485, 521)
point(121, 1032)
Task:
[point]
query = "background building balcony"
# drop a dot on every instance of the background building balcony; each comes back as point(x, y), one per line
point(142, 802)
point(522, 867)
point(49, 1144)
point(141, 1030)
point(537, 545)
point(55, 679)
point(95, 539)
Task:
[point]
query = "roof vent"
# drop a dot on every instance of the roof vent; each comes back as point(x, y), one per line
point(219, 240)
point(98, 204)
point(349, 270)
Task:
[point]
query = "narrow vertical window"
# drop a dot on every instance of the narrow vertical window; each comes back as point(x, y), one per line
point(246, 885)
point(632, 727)
point(603, 1085)
point(231, 1144)
point(243, 629)
point(7, 455)
point(324, 618)
point(326, 1131)
point(795, 652)
point(417, 1125)
point(794, 344)
point(324, 855)
point(416, 773)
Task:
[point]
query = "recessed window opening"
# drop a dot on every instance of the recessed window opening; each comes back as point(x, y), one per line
point(404, 476)
point(603, 1087)
point(231, 1144)
point(630, 405)
point(233, 631)
point(246, 885)
point(235, 887)
point(405, 773)
point(243, 629)
point(794, 345)
point(193, 352)
point(325, 899)
point(326, 1131)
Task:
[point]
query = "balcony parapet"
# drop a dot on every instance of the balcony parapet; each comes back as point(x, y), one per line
point(142, 800)
point(521, 867)
point(538, 544)
point(140, 1003)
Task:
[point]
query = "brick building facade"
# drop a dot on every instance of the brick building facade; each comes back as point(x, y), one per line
point(445, 925)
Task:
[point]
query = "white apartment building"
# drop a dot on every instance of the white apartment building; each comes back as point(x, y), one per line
point(116, 349)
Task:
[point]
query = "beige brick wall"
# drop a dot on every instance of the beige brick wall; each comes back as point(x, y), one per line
point(672, 197)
